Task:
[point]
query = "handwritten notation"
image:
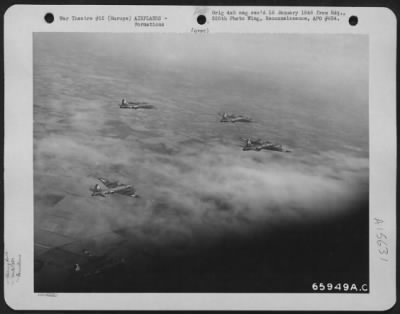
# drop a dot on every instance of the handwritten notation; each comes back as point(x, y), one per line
point(12, 268)
point(381, 239)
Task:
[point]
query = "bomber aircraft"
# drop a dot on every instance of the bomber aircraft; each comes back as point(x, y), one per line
point(230, 117)
point(258, 145)
point(113, 188)
point(134, 105)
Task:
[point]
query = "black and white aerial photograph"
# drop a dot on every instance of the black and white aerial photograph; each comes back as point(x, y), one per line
point(201, 163)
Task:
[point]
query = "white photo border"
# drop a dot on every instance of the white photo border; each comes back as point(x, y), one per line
point(21, 21)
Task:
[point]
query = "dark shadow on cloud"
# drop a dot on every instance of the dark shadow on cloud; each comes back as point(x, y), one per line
point(283, 259)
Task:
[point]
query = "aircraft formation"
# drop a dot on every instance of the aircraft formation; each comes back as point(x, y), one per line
point(252, 144)
point(114, 187)
point(99, 264)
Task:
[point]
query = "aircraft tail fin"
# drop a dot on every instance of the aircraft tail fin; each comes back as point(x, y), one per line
point(97, 191)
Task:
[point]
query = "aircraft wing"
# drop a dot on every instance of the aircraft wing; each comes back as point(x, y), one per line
point(144, 106)
point(137, 103)
point(129, 190)
point(108, 183)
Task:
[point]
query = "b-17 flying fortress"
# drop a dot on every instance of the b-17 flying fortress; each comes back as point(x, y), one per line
point(113, 188)
point(258, 144)
point(230, 117)
point(135, 105)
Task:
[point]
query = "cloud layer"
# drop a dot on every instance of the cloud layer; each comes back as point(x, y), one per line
point(216, 189)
